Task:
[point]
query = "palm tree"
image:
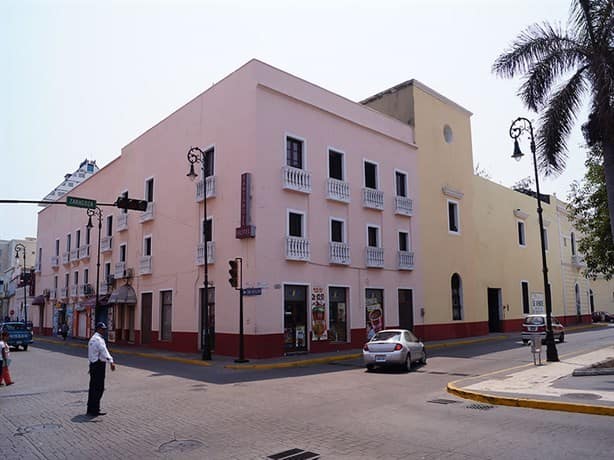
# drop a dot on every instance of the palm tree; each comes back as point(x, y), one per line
point(581, 59)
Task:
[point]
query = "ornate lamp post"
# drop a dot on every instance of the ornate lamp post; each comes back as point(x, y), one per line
point(519, 126)
point(97, 212)
point(196, 155)
point(20, 248)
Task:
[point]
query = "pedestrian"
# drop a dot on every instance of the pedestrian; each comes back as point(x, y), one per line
point(6, 359)
point(98, 356)
point(64, 330)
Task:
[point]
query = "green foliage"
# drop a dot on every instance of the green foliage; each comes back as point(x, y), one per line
point(588, 207)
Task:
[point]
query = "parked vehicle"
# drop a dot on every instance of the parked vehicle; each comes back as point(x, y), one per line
point(19, 334)
point(393, 347)
point(535, 325)
point(602, 317)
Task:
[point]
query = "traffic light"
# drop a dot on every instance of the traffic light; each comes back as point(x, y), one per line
point(131, 203)
point(234, 273)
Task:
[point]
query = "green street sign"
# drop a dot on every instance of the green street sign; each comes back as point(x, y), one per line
point(80, 202)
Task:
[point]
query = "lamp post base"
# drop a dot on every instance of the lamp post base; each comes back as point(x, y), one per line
point(552, 354)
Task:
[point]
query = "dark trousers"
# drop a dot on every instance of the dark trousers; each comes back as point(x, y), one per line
point(97, 374)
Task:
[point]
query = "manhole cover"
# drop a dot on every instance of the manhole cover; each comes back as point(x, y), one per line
point(75, 391)
point(294, 454)
point(443, 401)
point(41, 427)
point(583, 396)
point(180, 445)
point(479, 406)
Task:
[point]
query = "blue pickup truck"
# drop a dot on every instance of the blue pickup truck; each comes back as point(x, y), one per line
point(19, 334)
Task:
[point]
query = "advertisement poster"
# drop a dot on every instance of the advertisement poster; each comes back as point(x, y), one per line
point(537, 303)
point(318, 314)
point(375, 313)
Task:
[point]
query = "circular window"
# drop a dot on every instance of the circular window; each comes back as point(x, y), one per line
point(447, 134)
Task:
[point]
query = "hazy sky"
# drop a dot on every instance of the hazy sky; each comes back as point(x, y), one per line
point(81, 79)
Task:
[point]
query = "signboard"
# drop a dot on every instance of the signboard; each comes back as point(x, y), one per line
point(80, 202)
point(318, 314)
point(537, 303)
point(252, 291)
point(246, 230)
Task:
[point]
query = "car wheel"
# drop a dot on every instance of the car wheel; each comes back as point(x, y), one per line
point(562, 337)
point(423, 360)
point(25, 348)
point(408, 362)
point(525, 341)
point(370, 367)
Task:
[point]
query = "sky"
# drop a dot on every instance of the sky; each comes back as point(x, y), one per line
point(82, 78)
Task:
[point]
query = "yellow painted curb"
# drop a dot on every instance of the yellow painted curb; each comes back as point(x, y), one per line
point(529, 403)
point(305, 362)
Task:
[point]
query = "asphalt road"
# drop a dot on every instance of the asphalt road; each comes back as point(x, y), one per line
point(162, 409)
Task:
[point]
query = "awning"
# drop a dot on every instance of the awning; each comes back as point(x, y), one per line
point(91, 302)
point(124, 294)
point(39, 300)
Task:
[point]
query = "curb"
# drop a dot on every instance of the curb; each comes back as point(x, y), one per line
point(529, 403)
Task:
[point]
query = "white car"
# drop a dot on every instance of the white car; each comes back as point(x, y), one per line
point(393, 347)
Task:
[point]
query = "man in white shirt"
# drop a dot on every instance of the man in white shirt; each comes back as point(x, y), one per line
point(98, 355)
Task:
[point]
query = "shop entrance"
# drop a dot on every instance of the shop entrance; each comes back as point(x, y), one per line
point(295, 318)
point(211, 292)
point(337, 302)
point(146, 300)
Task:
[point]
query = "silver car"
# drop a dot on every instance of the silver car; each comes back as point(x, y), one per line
point(393, 347)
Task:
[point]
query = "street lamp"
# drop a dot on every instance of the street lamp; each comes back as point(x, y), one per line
point(21, 248)
point(196, 155)
point(522, 125)
point(97, 212)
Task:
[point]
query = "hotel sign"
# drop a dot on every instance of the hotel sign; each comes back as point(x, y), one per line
point(246, 230)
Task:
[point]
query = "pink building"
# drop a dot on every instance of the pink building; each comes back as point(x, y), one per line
point(326, 184)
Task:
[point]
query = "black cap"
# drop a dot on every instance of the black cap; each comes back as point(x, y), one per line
point(101, 326)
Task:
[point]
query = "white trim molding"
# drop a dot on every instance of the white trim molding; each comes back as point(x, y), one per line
point(452, 193)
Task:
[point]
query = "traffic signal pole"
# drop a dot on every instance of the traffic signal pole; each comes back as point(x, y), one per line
point(236, 281)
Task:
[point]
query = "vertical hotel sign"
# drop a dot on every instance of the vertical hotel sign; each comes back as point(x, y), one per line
point(246, 230)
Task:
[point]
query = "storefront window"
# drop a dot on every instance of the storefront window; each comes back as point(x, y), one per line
point(167, 314)
point(337, 301)
point(295, 318)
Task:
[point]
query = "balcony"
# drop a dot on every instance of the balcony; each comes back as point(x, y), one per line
point(66, 257)
point(104, 289)
point(296, 179)
point(55, 261)
point(200, 253)
point(106, 244)
point(338, 190)
point(122, 221)
point(120, 270)
point(74, 290)
point(53, 294)
point(148, 214)
point(406, 260)
point(338, 253)
point(85, 289)
point(145, 265)
point(374, 257)
point(84, 252)
point(64, 293)
point(211, 188)
point(297, 248)
point(74, 256)
point(403, 206)
point(372, 198)
point(578, 261)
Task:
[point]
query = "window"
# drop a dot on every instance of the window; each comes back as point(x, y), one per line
point(521, 236)
point(78, 239)
point(147, 246)
point(86, 276)
point(370, 175)
point(336, 231)
point(337, 314)
point(110, 225)
point(68, 241)
point(401, 183)
point(578, 300)
point(122, 252)
point(66, 280)
point(88, 233)
point(573, 244)
point(209, 163)
point(294, 152)
point(295, 224)
point(525, 297)
point(403, 241)
point(149, 190)
point(55, 282)
point(166, 310)
point(545, 235)
point(453, 220)
point(207, 230)
point(107, 271)
point(57, 247)
point(124, 195)
point(372, 236)
point(335, 165)
point(76, 278)
point(457, 297)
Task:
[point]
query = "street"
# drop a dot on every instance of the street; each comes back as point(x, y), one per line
point(161, 409)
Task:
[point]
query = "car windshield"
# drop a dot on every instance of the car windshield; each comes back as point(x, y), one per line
point(14, 327)
point(535, 320)
point(386, 335)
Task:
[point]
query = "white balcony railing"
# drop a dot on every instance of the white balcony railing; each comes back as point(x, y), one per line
point(85, 290)
point(74, 255)
point(66, 257)
point(84, 251)
point(104, 289)
point(145, 265)
point(403, 206)
point(53, 294)
point(338, 190)
point(298, 248)
point(74, 290)
point(406, 260)
point(200, 253)
point(372, 198)
point(374, 257)
point(338, 253)
point(106, 244)
point(120, 270)
point(578, 261)
point(55, 261)
point(211, 188)
point(64, 293)
point(148, 214)
point(296, 179)
point(122, 221)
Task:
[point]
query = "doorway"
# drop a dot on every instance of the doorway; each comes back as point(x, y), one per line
point(406, 309)
point(494, 310)
point(146, 302)
point(295, 318)
point(211, 291)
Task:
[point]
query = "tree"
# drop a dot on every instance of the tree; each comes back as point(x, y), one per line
point(588, 208)
point(543, 55)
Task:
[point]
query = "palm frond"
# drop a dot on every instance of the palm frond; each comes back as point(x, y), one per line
point(557, 121)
